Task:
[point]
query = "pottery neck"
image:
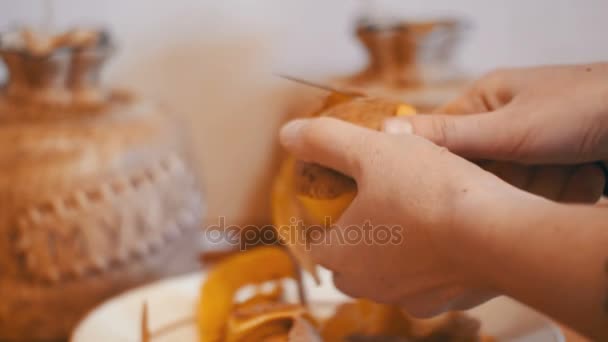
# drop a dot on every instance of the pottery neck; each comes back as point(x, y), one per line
point(397, 50)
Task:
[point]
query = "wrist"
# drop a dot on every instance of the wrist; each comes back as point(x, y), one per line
point(490, 219)
point(519, 226)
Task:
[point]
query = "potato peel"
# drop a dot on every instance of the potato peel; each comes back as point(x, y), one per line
point(257, 322)
point(257, 266)
point(286, 217)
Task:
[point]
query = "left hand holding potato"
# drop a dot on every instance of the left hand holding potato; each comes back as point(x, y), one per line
point(423, 190)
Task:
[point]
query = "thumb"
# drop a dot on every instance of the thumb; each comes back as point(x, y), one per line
point(326, 141)
point(484, 136)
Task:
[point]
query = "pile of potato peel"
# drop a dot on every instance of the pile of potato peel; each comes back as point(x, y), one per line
point(267, 315)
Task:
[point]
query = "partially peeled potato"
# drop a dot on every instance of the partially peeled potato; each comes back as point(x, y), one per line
point(307, 194)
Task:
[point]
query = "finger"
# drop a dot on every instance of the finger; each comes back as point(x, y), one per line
point(340, 249)
point(548, 181)
point(515, 174)
point(452, 323)
point(332, 252)
point(492, 91)
point(585, 185)
point(471, 299)
point(430, 302)
point(347, 285)
point(475, 136)
point(466, 104)
point(368, 286)
point(330, 142)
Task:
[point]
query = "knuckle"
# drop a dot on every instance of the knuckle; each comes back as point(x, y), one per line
point(491, 81)
point(441, 130)
point(372, 150)
point(368, 149)
point(520, 148)
point(590, 142)
point(494, 89)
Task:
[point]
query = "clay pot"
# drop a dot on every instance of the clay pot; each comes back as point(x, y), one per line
point(97, 193)
point(408, 61)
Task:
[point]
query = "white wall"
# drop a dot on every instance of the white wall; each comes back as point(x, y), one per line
point(308, 33)
point(212, 61)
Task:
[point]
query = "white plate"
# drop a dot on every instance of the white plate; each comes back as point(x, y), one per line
point(171, 300)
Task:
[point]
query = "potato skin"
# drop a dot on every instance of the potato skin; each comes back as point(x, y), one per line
point(319, 182)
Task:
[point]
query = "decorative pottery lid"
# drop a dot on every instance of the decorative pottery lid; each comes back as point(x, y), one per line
point(55, 70)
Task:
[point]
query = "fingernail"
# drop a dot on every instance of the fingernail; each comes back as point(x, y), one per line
point(398, 126)
point(291, 130)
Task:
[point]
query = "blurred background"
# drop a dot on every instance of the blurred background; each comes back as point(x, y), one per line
point(212, 62)
point(212, 65)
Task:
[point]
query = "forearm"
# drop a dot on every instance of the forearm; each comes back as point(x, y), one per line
point(554, 258)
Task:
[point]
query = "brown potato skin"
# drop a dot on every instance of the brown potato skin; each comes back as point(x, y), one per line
point(316, 181)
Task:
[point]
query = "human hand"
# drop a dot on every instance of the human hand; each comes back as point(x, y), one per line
point(435, 199)
point(544, 115)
